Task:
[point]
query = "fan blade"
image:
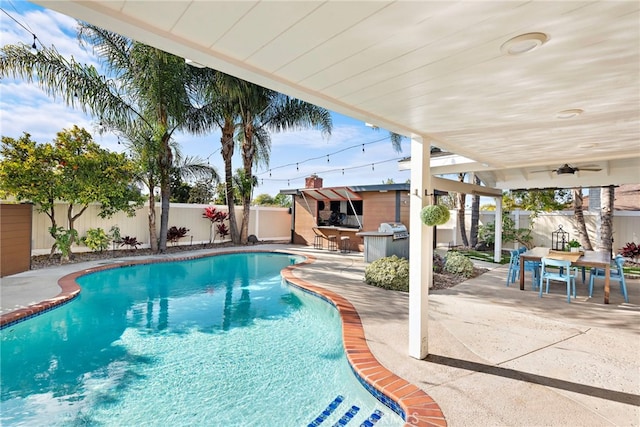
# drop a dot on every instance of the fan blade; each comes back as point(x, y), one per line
point(544, 170)
point(589, 169)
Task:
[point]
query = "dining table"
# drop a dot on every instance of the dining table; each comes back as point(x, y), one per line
point(591, 259)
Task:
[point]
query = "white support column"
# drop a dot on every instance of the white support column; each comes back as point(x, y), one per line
point(420, 249)
point(497, 247)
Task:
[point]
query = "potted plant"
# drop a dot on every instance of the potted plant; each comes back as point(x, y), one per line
point(434, 215)
point(574, 245)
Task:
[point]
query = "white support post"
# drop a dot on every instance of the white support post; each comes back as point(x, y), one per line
point(497, 247)
point(420, 249)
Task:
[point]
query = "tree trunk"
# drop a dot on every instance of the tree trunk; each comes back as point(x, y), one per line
point(151, 215)
point(248, 153)
point(607, 197)
point(71, 218)
point(578, 214)
point(461, 218)
point(462, 198)
point(226, 140)
point(166, 161)
point(51, 213)
point(475, 216)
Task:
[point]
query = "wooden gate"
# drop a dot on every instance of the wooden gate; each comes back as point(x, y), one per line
point(15, 238)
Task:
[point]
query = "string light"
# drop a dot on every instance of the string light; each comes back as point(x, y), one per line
point(34, 47)
point(327, 155)
point(327, 158)
point(329, 171)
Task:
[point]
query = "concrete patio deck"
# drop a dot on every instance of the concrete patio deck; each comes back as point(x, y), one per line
point(498, 356)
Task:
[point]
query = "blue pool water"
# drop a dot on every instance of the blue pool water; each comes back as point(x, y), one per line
point(218, 341)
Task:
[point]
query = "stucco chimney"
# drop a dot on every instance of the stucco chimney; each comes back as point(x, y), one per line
point(313, 181)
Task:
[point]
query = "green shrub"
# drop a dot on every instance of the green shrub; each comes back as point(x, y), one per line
point(434, 215)
point(96, 239)
point(64, 240)
point(458, 264)
point(389, 273)
point(438, 263)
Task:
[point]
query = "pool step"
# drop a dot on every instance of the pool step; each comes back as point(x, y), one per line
point(347, 416)
point(373, 418)
point(330, 412)
point(327, 412)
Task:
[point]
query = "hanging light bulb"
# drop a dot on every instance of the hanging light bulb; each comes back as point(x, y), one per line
point(288, 183)
point(372, 168)
point(363, 148)
point(118, 140)
point(34, 48)
point(297, 168)
point(327, 158)
point(342, 171)
point(269, 173)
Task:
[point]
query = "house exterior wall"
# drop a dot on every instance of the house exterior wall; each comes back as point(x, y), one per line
point(377, 207)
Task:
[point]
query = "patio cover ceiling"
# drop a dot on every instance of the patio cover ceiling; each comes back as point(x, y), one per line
point(437, 69)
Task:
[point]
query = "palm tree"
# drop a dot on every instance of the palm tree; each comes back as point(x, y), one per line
point(462, 199)
point(475, 215)
point(144, 152)
point(148, 87)
point(607, 197)
point(262, 111)
point(578, 214)
point(220, 92)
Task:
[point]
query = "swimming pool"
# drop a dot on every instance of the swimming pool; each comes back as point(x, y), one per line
point(210, 341)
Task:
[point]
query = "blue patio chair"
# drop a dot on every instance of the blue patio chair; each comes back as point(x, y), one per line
point(561, 271)
point(616, 275)
point(514, 267)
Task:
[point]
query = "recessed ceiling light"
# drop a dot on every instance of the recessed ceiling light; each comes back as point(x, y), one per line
point(569, 114)
point(524, 43)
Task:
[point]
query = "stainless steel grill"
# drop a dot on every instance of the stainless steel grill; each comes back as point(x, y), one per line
point(397, 229)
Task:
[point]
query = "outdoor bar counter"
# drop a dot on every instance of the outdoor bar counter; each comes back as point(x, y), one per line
point(354, 243)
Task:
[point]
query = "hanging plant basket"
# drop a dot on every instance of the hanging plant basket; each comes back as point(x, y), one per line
point(434, 215)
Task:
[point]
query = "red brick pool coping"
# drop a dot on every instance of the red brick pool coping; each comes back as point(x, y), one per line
point(419, 408)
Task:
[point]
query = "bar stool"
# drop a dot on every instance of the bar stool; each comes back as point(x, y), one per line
point(345, 244)
point(332, 244)
point(317, 242)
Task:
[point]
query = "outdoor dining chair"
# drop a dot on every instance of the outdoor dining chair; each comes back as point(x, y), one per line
point(514, 267)
point(615, 275)
point(560, 271)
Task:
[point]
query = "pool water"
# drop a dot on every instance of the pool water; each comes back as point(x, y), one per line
point(217, 341)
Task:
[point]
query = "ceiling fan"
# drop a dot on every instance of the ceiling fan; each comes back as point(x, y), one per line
point(566, 169)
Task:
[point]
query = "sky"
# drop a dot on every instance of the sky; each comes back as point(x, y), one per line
point(354, 154)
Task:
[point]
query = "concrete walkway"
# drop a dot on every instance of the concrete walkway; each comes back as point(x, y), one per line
point(498, 356)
